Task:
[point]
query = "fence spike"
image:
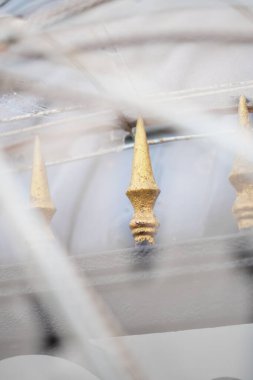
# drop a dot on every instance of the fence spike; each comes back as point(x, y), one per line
point(40, 195)
point(143, 190)
point(241, 176)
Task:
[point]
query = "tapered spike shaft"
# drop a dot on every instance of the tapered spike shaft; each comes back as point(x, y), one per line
point(40, 195)
point(143, 190)
point(241, 176)
point(243, 112)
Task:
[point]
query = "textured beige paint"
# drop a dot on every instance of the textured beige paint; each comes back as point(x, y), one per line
point(241, 175)
point(143, 190)
point(40, 196)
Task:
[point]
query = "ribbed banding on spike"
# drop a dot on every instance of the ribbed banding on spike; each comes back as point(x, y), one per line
point(241, 176)
point(143, 190)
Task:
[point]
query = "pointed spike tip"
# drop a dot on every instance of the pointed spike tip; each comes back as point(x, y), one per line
point(40, 195)
point(243, 112)
point(142, 173)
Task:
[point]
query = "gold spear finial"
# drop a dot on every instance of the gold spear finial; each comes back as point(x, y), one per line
point(241, 176)
point(143, 190)
point(40, 196)
point(243, 112)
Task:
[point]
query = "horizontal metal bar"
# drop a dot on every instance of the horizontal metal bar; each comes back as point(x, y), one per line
point(123, 147)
